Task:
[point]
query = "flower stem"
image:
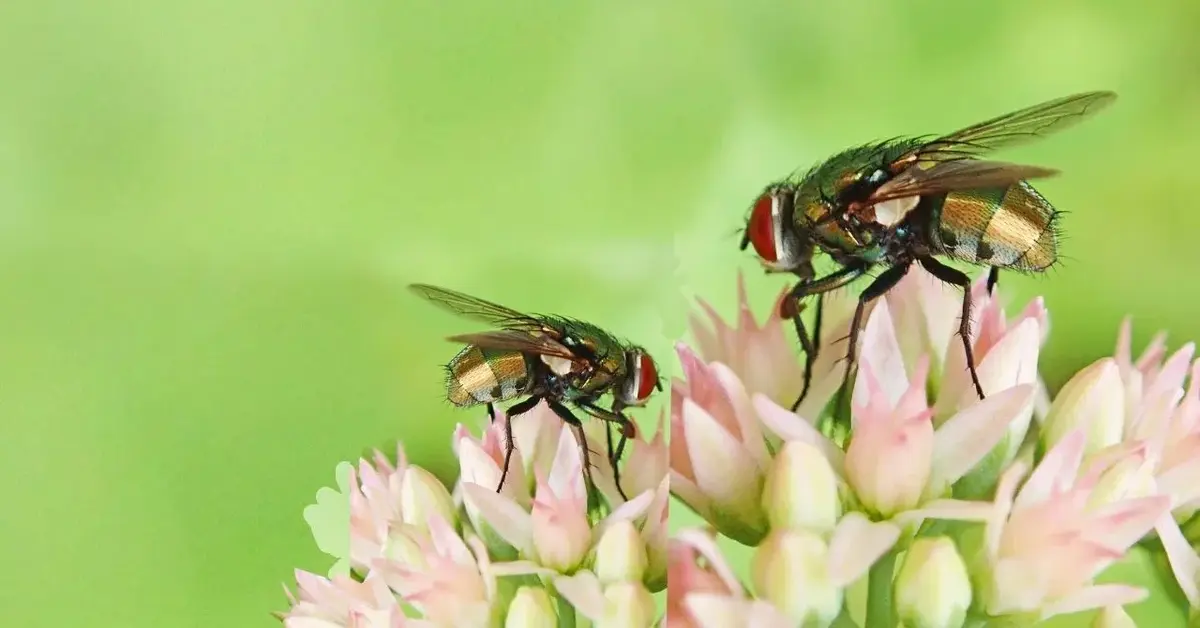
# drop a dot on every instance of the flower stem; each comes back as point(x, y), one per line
point(566, 612)
point(879, 592)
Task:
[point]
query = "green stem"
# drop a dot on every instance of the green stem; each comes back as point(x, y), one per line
point(879, 592)
point(566, 613)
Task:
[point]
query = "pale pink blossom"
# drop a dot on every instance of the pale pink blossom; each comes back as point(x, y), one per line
point(389, 506)
point(718, 455)
point(1162, 426)
point(1044, 543)
point(341, 601)
point(762, 355)
point(896, 459)
point(1007, 361)
point(450, 582)
point(555, 533)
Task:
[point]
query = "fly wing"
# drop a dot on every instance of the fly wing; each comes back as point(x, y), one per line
point(1014, 128)
point(950, 176)
point(478, 309)
point(512, 340)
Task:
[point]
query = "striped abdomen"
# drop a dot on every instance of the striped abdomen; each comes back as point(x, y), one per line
point(1011, 227)
point(478, 376)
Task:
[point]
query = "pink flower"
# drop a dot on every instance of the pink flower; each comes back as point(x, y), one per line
point(718, 455)
point(1044, 543)
point(555, 534)
point(450, 582)
point(896, 459)
point(701, 587)
point(1162, 425)
point(1006, 360)
point(763, 356)
point(390, 506)
point(343, 602)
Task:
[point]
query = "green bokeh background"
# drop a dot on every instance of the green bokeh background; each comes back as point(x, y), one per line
point(208, 212)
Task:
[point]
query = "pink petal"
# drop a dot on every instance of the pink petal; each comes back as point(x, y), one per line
point(721, 611)
point(520, 568)
point(1185, 564)
point(962, 441)
point(629, 511)
point(707, 547)
point(913, 402)
point(788, 426)
point(583, 591)
point(1181, 482)
point(566, 472)
point(948, 510)
point(1055, 473)
point(1093, 597)
point(447, 542)
point(689, 493)
point(1173, 372)
point(1002, 505)
point(1121, 524)
point(856, 544)
point(881, 351)
point(727, 472)
point(751, 434)
point(508, 519)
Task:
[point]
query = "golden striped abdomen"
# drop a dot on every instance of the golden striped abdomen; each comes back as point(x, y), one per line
point(478, 376)
point(1011, 227)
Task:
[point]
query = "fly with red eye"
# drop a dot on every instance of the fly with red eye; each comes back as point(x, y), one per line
point(904, 201)
point(564, 362)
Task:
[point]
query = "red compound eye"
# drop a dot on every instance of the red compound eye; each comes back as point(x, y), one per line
point(647, 377)
point(761, 229)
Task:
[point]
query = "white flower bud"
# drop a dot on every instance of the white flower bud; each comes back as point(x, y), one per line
point(620, 554)
point(627, 605)
point(423, 495)
point(531, 608)
point(932, 588)
point(790, 569)
point(801, 490)
point(1093, 400)
point(1113, 617)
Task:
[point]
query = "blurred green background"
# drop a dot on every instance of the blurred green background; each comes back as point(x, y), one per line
point(208, 212)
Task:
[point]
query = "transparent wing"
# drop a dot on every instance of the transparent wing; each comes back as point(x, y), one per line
point(511, 340)
point(476, 308)
point(1014, 128)
point(949, 176)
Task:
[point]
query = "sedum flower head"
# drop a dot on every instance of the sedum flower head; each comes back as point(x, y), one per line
point(502, 563)
point(989, 515)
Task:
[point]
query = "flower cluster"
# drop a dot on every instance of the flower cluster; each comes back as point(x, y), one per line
point(530, 555)
point(938, 508)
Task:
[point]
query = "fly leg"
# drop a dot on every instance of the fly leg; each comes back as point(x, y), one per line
point(570, 419)
point(993, 277)
point(520, 408)
point(884, 282)
point(956, 277)
point(791, 309)
point(491, 410)
point(628, 430)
